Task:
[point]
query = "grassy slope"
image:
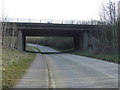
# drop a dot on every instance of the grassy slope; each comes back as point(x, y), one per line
point(14, 65)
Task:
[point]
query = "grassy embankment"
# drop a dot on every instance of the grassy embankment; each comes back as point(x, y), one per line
point(14, 65)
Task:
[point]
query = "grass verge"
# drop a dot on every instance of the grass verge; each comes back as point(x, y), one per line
point(14, 65)
point(32, 48)
point(106, 57)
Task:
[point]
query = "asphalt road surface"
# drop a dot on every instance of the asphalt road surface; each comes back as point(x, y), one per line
point(69, 71)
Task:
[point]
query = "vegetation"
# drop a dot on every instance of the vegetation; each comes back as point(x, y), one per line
point(9, 38)
point(108, 36)
point(14, 66)
point(119, 30)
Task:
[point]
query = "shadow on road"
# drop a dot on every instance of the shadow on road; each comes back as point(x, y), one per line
point(53, 52)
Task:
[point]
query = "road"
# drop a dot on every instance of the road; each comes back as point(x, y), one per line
point(69, 71)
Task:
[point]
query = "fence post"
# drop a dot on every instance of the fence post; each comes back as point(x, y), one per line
point(17, 19)
point(62, 21)
point(29, 20)
point(51, 21)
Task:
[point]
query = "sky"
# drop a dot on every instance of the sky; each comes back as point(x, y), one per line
point(52, 9)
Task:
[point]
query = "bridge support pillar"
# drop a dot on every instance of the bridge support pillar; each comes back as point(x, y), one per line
point(78, 42)
point(81, 41)
point(21, 41)
point(85, 40)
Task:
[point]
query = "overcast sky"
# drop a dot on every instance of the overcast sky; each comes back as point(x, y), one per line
point(52, 9)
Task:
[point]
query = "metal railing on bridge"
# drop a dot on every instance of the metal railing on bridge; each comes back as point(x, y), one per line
point(51, 21)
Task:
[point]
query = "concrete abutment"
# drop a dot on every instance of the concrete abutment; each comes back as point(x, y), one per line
point(81, 41)
point(21, 41)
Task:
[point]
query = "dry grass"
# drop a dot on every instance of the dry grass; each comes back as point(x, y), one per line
point(14, 66)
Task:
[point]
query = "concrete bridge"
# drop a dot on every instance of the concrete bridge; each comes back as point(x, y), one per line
point(81, 33)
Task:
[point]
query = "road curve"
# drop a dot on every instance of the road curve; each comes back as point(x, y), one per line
point(69, 71)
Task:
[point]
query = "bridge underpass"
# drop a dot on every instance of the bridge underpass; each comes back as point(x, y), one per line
point(81, 33)
point(64, 44)
point(78, 39)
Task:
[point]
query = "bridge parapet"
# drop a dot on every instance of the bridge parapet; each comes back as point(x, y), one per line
point(50, 21)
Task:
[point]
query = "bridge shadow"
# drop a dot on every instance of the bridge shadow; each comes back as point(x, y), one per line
point(63, 52)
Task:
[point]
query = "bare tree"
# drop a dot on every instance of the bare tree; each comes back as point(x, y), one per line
point(108, 12)
point(108, 16)
point(119, 27)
